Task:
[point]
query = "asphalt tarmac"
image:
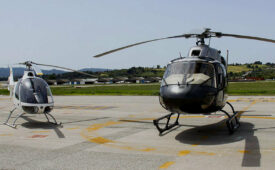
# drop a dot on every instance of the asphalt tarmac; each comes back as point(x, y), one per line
point(116, 132)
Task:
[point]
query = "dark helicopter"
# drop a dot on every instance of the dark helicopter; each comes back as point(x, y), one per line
point(31, 94)
point(196, 84)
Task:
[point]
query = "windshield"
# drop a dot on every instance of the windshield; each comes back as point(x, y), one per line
point(185, 73)
point(35, 90)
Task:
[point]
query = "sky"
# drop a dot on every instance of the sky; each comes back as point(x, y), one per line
point(69, 32)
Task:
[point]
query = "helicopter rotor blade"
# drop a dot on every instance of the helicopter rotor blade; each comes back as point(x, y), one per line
point(197, 34)
point(65, 68)
point(244, 37)
point(37, 70)
point(143, 42)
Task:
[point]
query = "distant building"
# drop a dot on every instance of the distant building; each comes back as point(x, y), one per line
point(89, 81)
point(120, 80)
point(75, 81)
point(135, 80)
point(105, 80)
point(152, 80)
point(51, 82)
point(62, 82)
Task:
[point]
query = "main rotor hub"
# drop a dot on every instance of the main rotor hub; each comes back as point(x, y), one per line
point(28, 64)
point(200, 41)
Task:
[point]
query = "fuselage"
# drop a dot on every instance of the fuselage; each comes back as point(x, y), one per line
point(196, 84)
point(32, 94)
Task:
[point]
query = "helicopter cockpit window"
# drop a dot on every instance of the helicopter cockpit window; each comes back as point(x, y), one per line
point(35, 90)
point(185, 73)
point(196, 53)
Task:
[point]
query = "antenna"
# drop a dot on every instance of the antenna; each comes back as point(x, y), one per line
point(180, 55)
point(227, 55)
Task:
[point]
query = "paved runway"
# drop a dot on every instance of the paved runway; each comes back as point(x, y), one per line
point(116, 132)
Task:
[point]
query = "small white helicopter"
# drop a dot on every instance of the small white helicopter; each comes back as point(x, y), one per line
point(32, 94)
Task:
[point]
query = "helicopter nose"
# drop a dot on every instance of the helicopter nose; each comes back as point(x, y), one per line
point(184, 92)
point(187, 98)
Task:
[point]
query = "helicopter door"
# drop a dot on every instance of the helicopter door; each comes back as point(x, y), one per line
point(221, 84)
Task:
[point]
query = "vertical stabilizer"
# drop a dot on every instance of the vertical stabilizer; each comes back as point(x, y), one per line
point(11, 82)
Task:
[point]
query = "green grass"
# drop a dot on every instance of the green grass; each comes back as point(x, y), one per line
point(252, 88)
point(4, 92)
point(235, 88)
point(147, 90)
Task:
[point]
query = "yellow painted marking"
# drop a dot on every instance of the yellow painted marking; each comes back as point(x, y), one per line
point(125, 147)
point(41, 131)
point(246, 108)
point(253, 99)
point(100, 140)
point(148, 149)
point(231, 101)
point(102, 107)
point(6, 134)
point(244, 151)
point(102, 125)
point(198, 116)
point(130, 148)
point(201, 116)
point(258, 117)
point(184, 152)
point(173, 117)
point(166, 165)
point(206, 153)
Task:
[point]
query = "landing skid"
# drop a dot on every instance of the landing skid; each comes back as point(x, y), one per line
point(167, 125)
point(13, 125)
point(232, 122)
point(55, 122)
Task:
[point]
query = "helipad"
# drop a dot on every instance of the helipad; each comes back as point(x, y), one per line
point(116, 132)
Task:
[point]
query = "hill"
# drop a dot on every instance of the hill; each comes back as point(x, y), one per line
point(254, 71)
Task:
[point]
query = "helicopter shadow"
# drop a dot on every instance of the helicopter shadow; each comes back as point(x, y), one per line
point(217, 134)
point(33, 124)
point(85, 120)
